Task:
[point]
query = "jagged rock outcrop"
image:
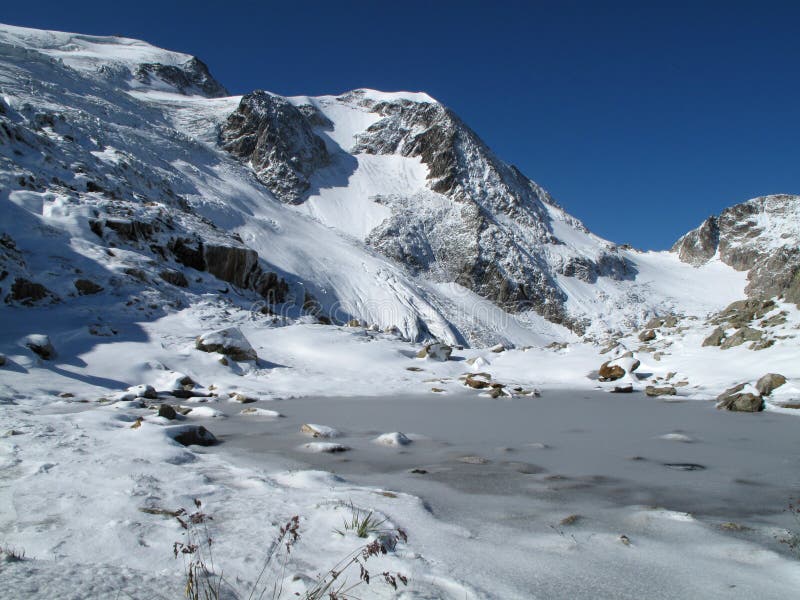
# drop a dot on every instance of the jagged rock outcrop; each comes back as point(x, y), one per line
point(235, 264)
point(759, 236)
point(278, 142)
point(190, 78)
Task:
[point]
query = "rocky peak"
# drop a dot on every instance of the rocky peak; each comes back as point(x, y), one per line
point(759, 236)
point(278, 142)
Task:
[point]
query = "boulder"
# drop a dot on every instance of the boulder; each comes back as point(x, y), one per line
point(353, 323)
point(745, 334)
point(326, 447)
point(741, 398)
point(667, 390)
point(319, 431)
point(396, 438)
point(769, 382)
point(436, 351)
point(715, 338)
point(647, 335)
point(623, 389)
point(138, 391)
point(191, 435)
point(166, 411)
point(86, 287)
point(477, 383)
point(40, 345)
point(497, 348)
point(609, 372)
point(230, 342)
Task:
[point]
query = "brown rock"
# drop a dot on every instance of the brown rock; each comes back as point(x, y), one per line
point(666, 390)
point(647, 335)
point(610, 372)
point(770, 382)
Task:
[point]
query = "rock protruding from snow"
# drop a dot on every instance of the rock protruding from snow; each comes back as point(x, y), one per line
point(40, 345)
point(395, 439)
point(325, 447)
point(87, 287)
point(742, 398)
point(278, 142)
point(666, 390)
point(769, 382)
point(230, 342)
point(759, 236)
point(319, 431)
point(436, 351)
point(191, 435)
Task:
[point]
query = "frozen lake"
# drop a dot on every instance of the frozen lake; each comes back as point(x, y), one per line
point(672, 476)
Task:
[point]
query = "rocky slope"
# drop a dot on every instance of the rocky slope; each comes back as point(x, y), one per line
point(760, 237)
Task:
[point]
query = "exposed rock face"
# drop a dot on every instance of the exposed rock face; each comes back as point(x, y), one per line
point(741, 398)
point(759, 236)
point(190, 78)
point(230, 342)
point(277, 140)
point(769, 382)
point(235, 264)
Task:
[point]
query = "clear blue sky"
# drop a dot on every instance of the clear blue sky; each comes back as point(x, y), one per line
point(642, 118)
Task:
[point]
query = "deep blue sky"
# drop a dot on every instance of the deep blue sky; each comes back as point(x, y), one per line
point(641, 118)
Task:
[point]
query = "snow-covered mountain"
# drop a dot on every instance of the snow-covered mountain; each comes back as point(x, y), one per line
point(131, 169)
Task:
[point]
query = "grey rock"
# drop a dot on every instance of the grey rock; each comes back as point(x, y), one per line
point(735, 399)
point(770, 382)
point(715, 338)
point(87, 287)
point(229, 342)
point(745, 334)
point(167, 411)
point(623, 389)
point(191, 435)
point(278, 142)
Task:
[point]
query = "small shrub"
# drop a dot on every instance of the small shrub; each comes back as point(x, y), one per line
point(363, 523)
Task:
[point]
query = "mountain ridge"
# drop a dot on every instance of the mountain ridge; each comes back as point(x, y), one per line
point(369, 205)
